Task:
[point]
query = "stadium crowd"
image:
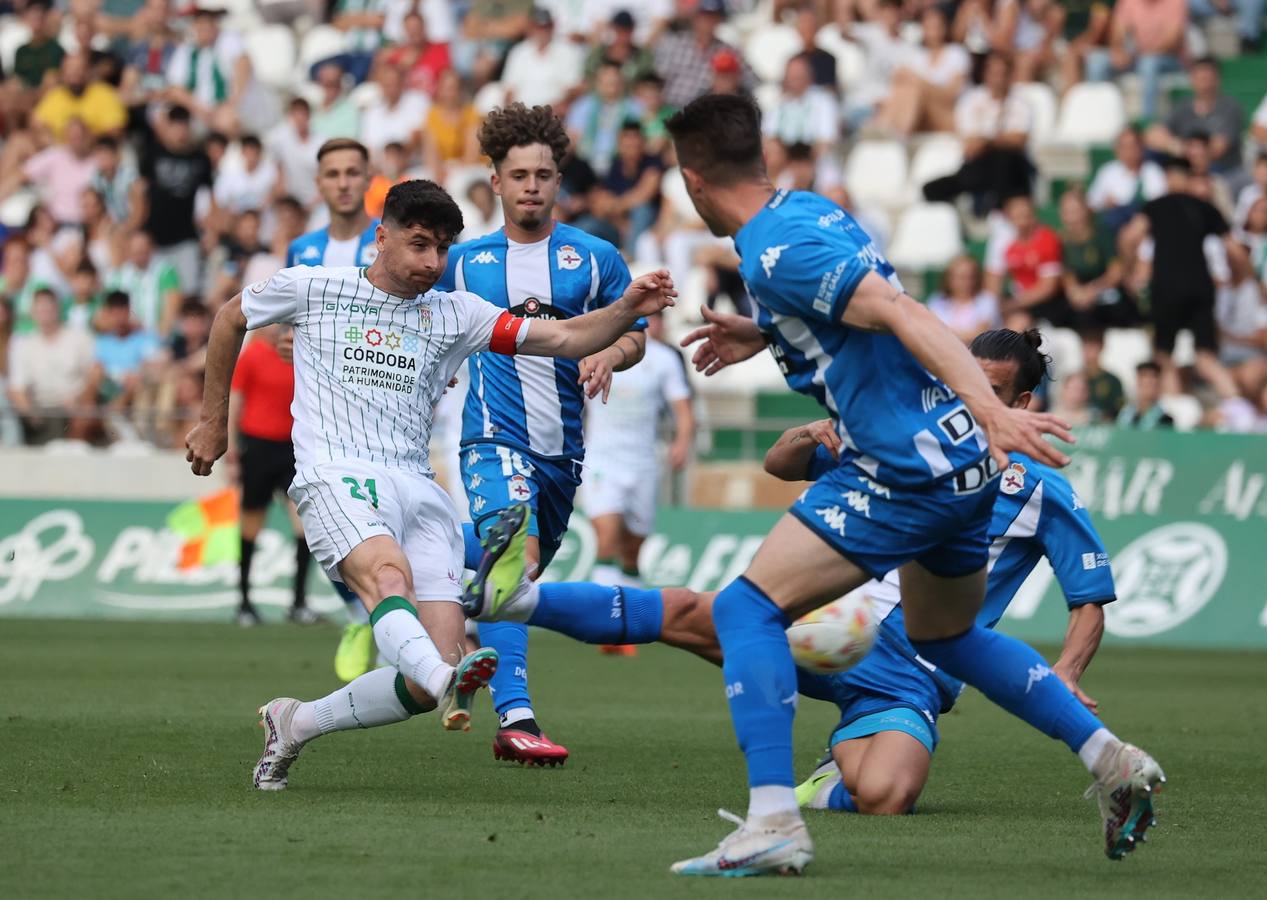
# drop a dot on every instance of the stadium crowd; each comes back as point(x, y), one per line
point(156, 158)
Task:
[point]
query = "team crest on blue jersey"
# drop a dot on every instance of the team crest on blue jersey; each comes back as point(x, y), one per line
point(568, 257)
point(1013, 479)
point(518, 488)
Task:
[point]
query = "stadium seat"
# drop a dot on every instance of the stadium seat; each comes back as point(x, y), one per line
point(767, 50)
point(13, 34)
point(1092, 113)
point(365, 95)
point(1185, 409)
point(16, 209)
point(767, 96)
point(272, 53)
point(460, 179)
point(851, 61)
point(1124, 349)
point(489, 97)
point(939, 155)
point(1042, 103)
point(321, 42)
point(875, 173)
point(1065, 348)
point(927, 237)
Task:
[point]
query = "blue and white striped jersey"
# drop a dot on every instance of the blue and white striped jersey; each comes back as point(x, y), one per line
point(529, 402)
point(316, 249)
point(1036, 514)
point(802, 257)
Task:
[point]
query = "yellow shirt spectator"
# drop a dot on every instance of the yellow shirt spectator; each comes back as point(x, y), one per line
point(99, 107)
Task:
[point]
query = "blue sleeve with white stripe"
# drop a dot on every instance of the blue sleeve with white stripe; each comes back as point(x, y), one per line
point(809, 273)
point(1072, 545)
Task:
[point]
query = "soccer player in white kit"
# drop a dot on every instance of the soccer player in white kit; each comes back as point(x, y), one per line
point(622, 474)
point(374, 349)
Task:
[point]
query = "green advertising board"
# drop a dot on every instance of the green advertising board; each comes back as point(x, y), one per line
point(1184, 517)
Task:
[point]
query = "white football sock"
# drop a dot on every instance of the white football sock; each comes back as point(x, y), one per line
point(771, 800)
point(366, 702)
point(517, 714)
point(605, 574)
point(408, 648)
point(1091, 749)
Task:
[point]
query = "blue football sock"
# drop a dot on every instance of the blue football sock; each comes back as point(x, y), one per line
point(760, 680)
point(509, 685)
point(599, 614)
point(472, 552)
point(1013, 675)
point(839, 799)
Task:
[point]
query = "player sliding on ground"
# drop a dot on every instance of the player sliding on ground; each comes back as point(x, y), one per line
point(374, 349)
point(882, 748)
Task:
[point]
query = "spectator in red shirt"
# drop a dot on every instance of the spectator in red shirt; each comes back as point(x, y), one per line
point(422, 60)
point(1034, 266)
point(262, 458)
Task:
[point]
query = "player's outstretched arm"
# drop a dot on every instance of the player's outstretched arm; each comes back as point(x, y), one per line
point(726, 339)
point(1082, 640)
point(877, 305)
point(597, 369)
point(209, 439)
point(579, 337)
point(791, 454)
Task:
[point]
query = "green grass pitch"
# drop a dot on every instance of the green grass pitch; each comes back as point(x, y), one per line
point(126, 751)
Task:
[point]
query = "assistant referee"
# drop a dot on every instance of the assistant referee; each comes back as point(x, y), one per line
point(262, 457)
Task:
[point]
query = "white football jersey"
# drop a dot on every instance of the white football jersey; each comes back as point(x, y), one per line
point(370, 366)
point(625, 427)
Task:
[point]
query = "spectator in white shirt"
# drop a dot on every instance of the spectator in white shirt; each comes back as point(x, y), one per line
point(994, 122)
point(294, 144)
point(1125, 183)
point(1252, 192)
point(926, 89)
point(210, 72)
point(886, 52)
point(806, 114)
point(48, 375)
point(248, 182)
point(396, 116)
point(1258, 125)
point(542, 70)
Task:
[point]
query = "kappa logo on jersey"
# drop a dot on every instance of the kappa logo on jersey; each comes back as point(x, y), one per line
point(310, 252)
point(833, 517)
point(568, 258)
point(770, 258)
point(518, 488)
point(1013, 479)
point(484, 258)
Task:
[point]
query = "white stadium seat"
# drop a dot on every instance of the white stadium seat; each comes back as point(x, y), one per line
point(1065, 348)
point(13, 34)
point(1124, 349)
point(1092, 113)
point(851, 61)
point(767, 96)
point(875, 173)
point(767, 50)
point(1042, 104)
point(1185, 409)
point(321, 42)
point(939, 155)
point(272, 53)
point(366, 94)
point(927, 237)
point(489, 97)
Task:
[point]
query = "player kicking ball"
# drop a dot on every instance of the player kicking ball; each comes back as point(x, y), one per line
point(889, 703)
point(374, 349)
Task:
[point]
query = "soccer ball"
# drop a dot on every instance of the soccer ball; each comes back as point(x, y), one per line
point(834, 637)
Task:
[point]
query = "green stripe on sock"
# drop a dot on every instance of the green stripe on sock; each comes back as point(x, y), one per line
point(389, 604)
point(412, 706)
point(633, 572)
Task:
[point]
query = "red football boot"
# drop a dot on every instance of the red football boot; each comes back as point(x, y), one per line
point(514, 745)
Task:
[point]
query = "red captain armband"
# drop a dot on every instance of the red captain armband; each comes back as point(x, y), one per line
point(505, 339)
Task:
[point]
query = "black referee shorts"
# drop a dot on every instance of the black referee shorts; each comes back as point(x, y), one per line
point(267, 467)
point(1172, 314)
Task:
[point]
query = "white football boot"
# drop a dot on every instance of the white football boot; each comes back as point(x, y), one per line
point(1126, 781)
point(766, 845)
point(280, 747)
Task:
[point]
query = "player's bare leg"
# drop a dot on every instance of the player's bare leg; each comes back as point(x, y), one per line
point(941, 624)
point(878, 775)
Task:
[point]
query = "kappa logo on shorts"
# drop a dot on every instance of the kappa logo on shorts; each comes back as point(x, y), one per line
point(834, 517)
point(859, 502)
point(477, 505)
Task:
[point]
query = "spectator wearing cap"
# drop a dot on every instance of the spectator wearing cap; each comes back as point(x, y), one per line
point(1146, 37)
point(926, 88)
point(39, 58)
point(488, 30)
point(595, 119)
point(336, 115)
point(629, 195)
point(293, 143)
point(397, 115)
point(805, 114)
point(50, 370)
point(994, 122)
point(79, 96)
point(543, 69)
point(450, 137)
point(684, 55)
point(727, 73)
point(1207, 112)
point(422, 58)
point(173, 169)
point(822, 64)
point(635, 62)
point(209, 72)
point(1125, 183)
